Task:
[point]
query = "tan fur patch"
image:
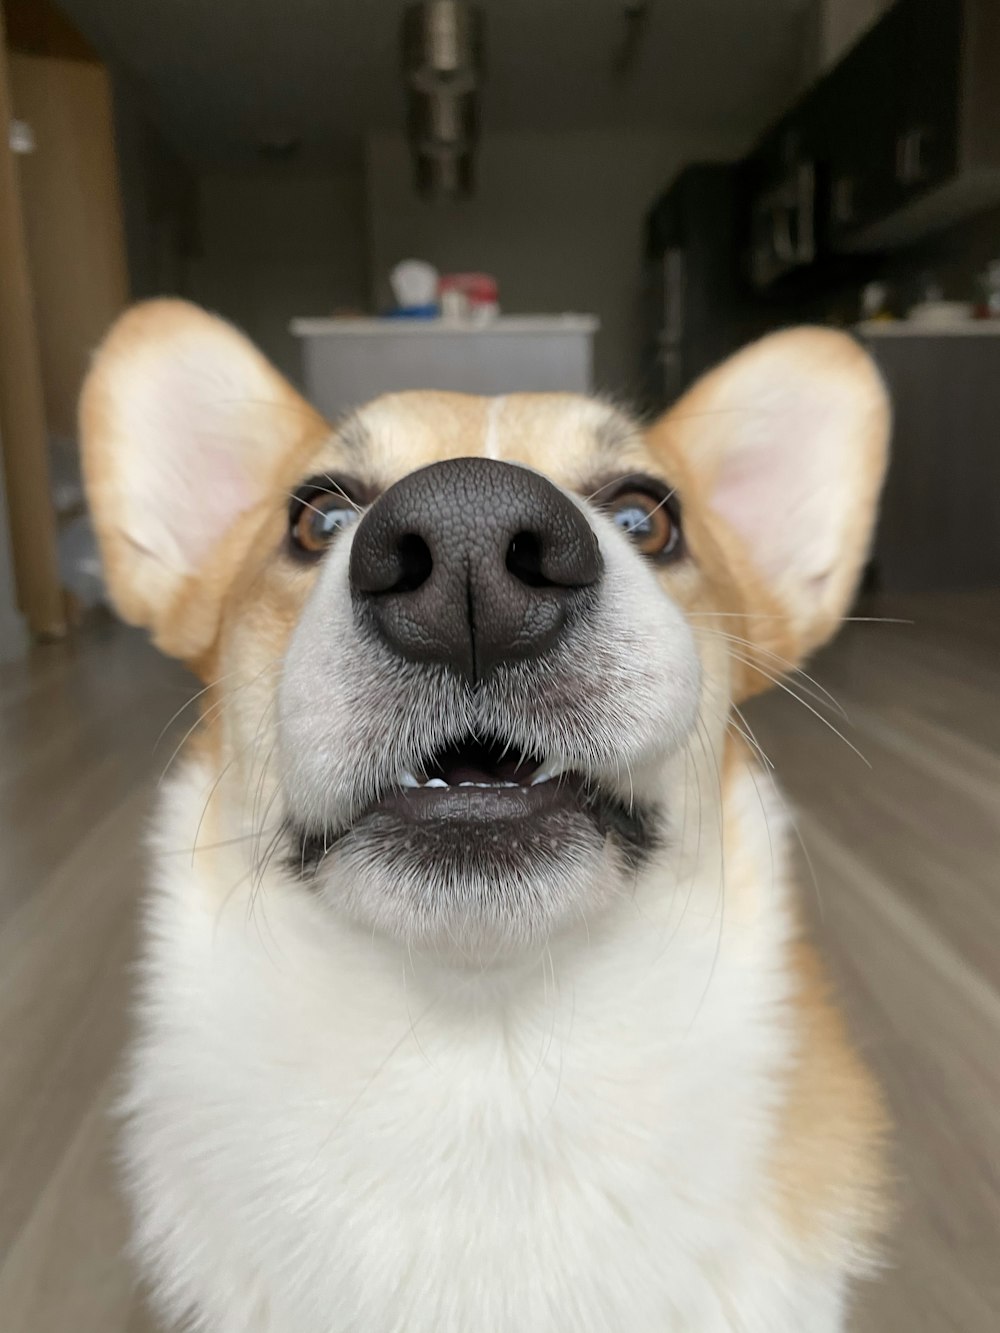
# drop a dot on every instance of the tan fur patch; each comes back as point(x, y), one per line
point(828, 1167)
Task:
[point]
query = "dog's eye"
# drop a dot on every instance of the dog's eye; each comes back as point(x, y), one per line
point(320, 510)
point(649, 518)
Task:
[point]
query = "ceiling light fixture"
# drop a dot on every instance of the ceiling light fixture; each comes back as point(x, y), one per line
point(443, 66)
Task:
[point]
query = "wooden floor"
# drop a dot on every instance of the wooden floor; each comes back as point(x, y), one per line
point(906, 906)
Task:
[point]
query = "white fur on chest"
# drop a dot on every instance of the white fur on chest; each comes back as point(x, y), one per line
point(325, 1135)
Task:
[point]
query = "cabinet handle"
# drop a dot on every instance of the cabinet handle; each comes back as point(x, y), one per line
point(910, 157)
point(917, 169)
point(843, 199)
point(781, 236)
point(902, 156)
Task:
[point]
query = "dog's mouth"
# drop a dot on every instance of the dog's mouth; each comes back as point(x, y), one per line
point(487, 765)
point(485, 795)
point(477, 842)
point(477, 779)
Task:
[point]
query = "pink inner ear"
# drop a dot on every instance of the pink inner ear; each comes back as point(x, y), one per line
point(194, 474)
point(224, 493)
point(186, 500)
point(783, 493)
point(756, 496)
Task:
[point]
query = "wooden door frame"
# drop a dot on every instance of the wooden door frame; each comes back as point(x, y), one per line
point(23, 429)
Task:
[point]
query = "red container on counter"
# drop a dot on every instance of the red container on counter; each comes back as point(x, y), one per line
point(472, 296)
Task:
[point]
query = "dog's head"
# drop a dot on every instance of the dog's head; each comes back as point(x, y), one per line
point(463, 651)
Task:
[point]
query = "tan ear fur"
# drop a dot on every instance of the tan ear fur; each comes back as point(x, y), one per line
point(784, 449)
point(190, 439)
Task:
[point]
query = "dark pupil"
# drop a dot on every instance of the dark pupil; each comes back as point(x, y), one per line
point(634, 520)
point(326, 522)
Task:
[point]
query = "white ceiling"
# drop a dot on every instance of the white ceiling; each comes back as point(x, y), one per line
point(221, 74)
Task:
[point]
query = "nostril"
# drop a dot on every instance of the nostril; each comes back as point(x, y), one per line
point(415, 563)
point(524, 560)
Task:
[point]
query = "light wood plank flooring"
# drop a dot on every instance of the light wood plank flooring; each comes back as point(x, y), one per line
point(906, 905)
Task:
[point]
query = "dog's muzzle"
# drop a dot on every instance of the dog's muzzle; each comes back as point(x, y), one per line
point(457, 747)
point(472, 563)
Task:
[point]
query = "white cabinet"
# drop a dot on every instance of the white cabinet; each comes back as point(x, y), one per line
point(348, 361)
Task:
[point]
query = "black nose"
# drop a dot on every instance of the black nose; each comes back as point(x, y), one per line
point(472, 563)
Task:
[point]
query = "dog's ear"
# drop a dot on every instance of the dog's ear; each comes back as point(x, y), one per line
point(187, 435)
point(786, 444)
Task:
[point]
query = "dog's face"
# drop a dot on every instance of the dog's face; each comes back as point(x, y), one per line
point(466, 654)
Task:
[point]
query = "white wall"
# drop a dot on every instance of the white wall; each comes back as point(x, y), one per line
point(275, 243)
point(557, 219)
point(159, 198)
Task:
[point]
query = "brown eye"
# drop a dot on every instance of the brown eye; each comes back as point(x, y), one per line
point(319, 511)
point(646, 518)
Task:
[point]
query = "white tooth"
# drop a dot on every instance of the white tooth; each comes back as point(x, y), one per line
point(550, 769)
point(435, 782)
point(408, 780)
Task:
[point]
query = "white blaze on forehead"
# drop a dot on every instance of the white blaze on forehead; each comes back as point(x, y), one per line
point(491, 431)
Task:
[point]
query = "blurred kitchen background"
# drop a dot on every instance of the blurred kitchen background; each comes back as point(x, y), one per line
point(543, 194)
point(606, 194)
point(592, 193)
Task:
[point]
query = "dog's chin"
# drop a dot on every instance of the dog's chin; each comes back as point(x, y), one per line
point(481, 869)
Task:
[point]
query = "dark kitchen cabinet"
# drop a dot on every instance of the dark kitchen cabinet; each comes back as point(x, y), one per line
point(890, 110)
point(783, 189)
point(898, 139)
point(928, 130)
point(938, 524)
point(697, 308)
point(865, 112)
point(914, 129)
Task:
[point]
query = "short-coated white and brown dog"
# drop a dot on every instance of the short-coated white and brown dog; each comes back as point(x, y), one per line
point(473, 993)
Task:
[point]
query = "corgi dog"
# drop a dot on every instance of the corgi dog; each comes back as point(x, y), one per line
point(473, 993)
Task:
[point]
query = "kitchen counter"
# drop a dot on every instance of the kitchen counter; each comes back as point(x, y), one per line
point(349, 361)
point(508, 324)
point(904, 328)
